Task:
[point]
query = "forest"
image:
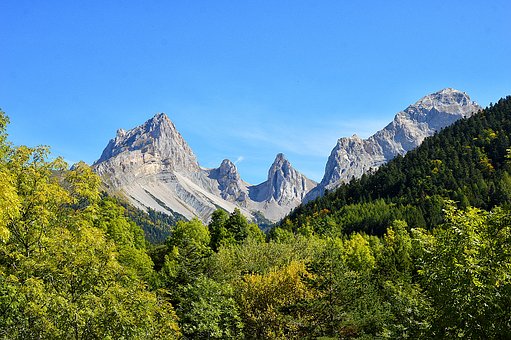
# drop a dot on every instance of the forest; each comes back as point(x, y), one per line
point(417, 249)
point(467, 162)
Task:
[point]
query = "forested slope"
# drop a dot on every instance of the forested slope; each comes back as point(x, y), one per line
point(73, 266)
point(467, 162)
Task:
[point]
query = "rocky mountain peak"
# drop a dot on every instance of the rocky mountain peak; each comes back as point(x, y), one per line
point(156, 144)
point(225, 173)
point(447, 96)
point(439, 109)
point(153, 166)
point(161, 127)
point(120, 133)
point(280, 167)
point(284, 183)
point(353, 156)
point(228, 167)
point(230, 184)
point(280, 157)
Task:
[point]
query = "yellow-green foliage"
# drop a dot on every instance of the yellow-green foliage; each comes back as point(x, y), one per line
point(71, 265)
point(269, 302)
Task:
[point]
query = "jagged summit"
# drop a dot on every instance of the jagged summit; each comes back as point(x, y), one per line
point(284, 185)
point(353, 156)
point(280, 167)
point(227, 170)
point(280, 156)
point(155, 141)
point(154, 167)
point(447, 97)
point(440, 109)
point(228, 165)
point(231, 187)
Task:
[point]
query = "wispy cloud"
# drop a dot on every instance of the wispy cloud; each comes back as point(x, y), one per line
point(305, 135)
point(317, 140)
point(306, 140)
point(239, 160)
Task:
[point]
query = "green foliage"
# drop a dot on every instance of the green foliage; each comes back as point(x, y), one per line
point(270, 303)
point(467, 162)
point(232, 229)
point(464, 266)
point(188, 249)
point(395, 258)
point(190, 234)
point(71, 265)
point(156, 225)
point(209, 311)
point(231, 262)
point(387, 256)
point(42, 199)
point(217, 228)
point(348, 302)
point(76, 287)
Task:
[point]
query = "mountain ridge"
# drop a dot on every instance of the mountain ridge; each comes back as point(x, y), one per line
point(354, 156)
point(153, 167)
point(466, 163)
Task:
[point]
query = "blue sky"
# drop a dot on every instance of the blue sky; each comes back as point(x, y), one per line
point(242, 80)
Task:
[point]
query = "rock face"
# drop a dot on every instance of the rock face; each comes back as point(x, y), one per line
point(153, 167)
point(231, 187)
point(152, 148)
point(285, 185)
point(353, 156)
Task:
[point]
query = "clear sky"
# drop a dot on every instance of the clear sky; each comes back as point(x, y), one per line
point(242, 80)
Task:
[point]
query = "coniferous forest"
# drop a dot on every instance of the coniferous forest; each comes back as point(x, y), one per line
point(420, 248)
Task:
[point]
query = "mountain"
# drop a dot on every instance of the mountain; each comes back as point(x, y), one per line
point(353, 156)
point(152, 166)
point(467, 162)
point(284, 185)
point(154, 148)
point(231, 187)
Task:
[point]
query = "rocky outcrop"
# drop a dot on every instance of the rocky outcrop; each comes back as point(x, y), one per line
point(285, 185)
point(231, 187)
point(154, 147)
point(353, 156)
point(153, 167)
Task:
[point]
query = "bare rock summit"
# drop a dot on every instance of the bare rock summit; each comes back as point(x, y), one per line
point(353, 156)
point(153, 167)
point(285, 185)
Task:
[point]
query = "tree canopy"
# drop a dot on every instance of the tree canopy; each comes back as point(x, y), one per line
point(418, 249)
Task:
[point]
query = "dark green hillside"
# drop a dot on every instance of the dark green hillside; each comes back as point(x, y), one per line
point(467, 162)
point(75, 265)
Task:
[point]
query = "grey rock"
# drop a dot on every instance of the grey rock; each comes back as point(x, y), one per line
point(353, 156)
point(231, 187)
point(153, 167)
point(285, 185)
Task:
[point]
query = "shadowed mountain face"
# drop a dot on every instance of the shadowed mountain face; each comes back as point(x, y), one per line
point(353, 156)
point(152, 166)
